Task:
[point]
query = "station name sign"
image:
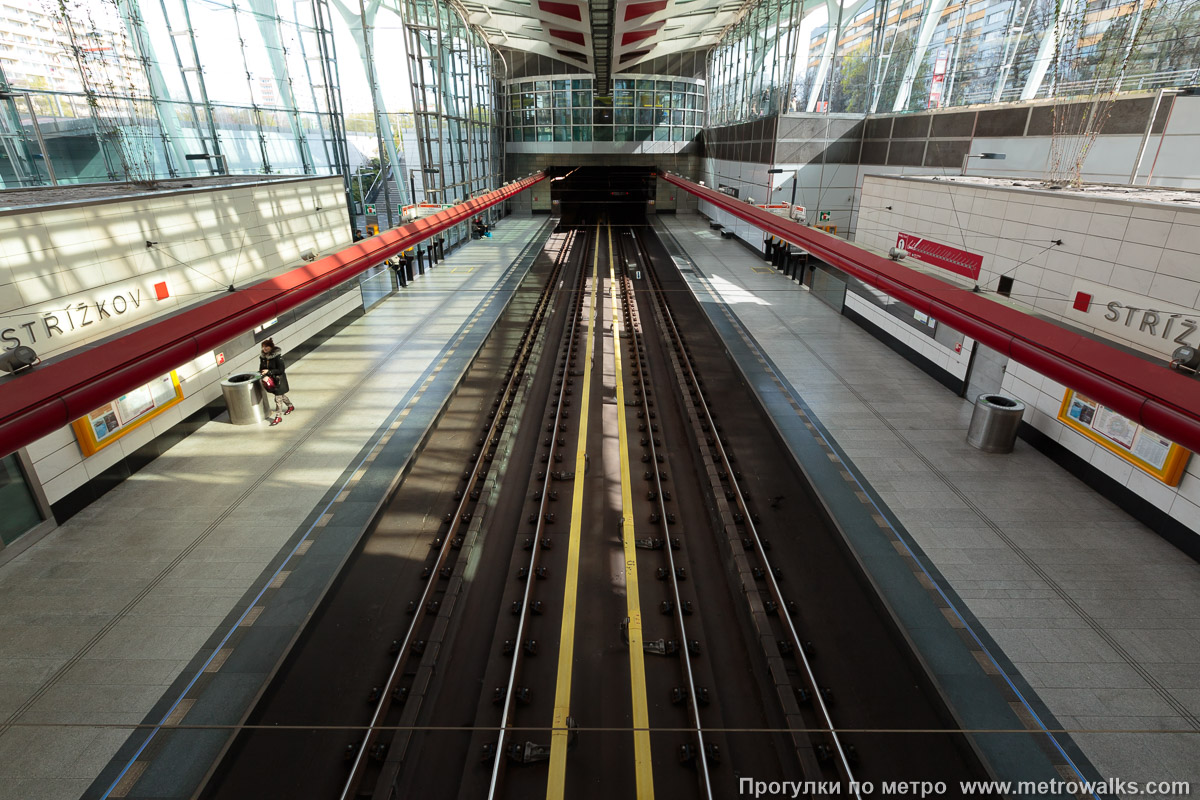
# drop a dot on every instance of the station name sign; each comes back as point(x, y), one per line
point(960, 262)
point(1152, 325)
point(76, 317)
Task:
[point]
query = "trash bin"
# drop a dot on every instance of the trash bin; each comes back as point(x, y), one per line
point(245, 398)
point(994, 423)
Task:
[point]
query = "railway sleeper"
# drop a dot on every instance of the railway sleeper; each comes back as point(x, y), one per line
point(688, 756)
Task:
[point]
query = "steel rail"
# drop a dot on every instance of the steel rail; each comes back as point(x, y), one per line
point(702, 753)
point(531, 575)
point(825, 719)
point(478, 468)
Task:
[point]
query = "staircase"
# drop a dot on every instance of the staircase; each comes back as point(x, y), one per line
point(397, 192)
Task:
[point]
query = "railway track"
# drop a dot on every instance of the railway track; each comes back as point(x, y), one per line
point(612, 605)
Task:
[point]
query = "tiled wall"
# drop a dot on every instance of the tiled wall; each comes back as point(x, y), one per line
point(934, 352)
point(1139, 253)
point(91, 253)
point(1043, 398)
point(1142, 254)
point(60, 465)
point(88, 253)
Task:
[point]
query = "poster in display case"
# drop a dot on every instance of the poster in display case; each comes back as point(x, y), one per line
point(1144, 449)
point(113, 420)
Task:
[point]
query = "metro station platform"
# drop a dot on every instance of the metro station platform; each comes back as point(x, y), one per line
point(171, 598)
point(1087, 621)
point(146, 624)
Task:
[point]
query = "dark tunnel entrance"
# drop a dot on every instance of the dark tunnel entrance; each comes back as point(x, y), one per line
point(583, 195)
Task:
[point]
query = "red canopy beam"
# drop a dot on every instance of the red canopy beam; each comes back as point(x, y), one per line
point(35, 404)
point(1165, 401)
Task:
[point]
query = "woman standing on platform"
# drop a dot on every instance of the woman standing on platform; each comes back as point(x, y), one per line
point(270, 364)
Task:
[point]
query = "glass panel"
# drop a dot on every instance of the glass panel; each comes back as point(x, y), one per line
point(20, 509)
point(624, 133)
point(623, 83)
point(543, 134)
point(677, 134)
point(585, 83)
point(645, 116)
point(662, 134)
point(562, 116)
point(561, 85)
point(645, 84)
point(581, 99)
point(643, 134)
point(602, 116)
point(623, 99)
point(581, 116)
point(542, 100)
point(603, 133)
point(541, 86)
point(562, 99)
point(562, 133)
point(624, 116)
point(581, 134)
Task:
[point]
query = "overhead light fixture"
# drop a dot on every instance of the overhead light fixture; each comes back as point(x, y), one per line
point(1185, 359)
point(984, 156)
point(19, 358)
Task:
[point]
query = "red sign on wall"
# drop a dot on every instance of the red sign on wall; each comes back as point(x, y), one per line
point(960, 262)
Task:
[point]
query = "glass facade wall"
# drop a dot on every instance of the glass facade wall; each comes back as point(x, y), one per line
point(145, 90)
point(641, 108)
point(750, 71)
point(877, 56)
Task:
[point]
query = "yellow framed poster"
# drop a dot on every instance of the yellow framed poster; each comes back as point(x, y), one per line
point(113, 420)
point(1153, 454)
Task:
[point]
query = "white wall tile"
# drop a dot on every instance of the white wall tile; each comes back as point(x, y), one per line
point(1184, 237)
point(56, 463)
point(58, 488)
point(1186, 512)
point(50, 443)
point(1145, 231)
point(1151, 489)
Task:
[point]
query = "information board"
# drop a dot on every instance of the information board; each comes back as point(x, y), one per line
point(113, 420)
point(1144, 449)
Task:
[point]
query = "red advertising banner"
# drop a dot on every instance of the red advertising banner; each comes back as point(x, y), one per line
point(938, 80)
point(960, 262)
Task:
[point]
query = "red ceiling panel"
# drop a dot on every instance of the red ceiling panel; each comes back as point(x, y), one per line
point(568, 10)
point(633, 37)
point(571, 36)
point(636, 10)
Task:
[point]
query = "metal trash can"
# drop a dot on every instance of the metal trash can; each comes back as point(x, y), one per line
point(245, 398)
point(994, 423)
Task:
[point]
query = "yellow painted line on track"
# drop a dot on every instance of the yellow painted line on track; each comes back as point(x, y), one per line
point(637, 662)
point(556, 782)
